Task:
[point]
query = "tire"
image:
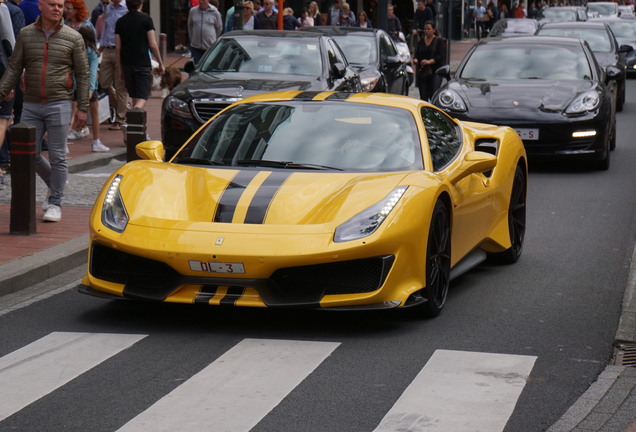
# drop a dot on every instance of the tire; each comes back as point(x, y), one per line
point(437, 262)
point(516, 218)
point(612, 145)
point(620, 97)
point(604, 164)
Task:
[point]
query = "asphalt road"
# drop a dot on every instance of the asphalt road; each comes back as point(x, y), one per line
point(558, 305)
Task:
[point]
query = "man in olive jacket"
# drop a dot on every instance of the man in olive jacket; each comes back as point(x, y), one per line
point(53, 58)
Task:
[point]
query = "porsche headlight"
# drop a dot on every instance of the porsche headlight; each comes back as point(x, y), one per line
point(368, 83)
point(178, 107)
point(114, 214)
point(366, 222)
point(450, 99)
point(584, 102)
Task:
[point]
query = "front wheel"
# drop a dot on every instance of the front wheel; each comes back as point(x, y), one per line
point(438, 257)
point(516, 217)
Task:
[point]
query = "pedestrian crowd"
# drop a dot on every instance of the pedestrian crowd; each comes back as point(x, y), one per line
point(112, 50)
point(56, 58)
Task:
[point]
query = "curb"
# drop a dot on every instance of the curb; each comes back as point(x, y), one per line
point(95, 160)
point(627, 324)
point(42, 265)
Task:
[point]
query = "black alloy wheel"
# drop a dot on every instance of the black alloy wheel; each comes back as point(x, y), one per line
point(516, 217)
point(438, 256)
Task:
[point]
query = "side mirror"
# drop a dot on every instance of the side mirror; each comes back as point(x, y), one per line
point(188, 67)
point(339, 70)
point(150, 150)
point(444, 71)
point(474, 162)
point(612, 72)
point(626, 49)
point(394, 60)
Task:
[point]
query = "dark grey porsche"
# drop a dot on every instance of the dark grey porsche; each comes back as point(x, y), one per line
point(551, 90)
point(244, 63)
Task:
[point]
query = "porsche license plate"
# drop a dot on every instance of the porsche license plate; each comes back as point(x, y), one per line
point(216, 267)
point(528, 134)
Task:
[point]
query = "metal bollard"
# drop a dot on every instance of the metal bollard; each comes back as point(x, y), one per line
point(135, 131)
point(163, 46)
point(22, 143)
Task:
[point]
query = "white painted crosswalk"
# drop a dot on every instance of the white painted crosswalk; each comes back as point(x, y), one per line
point(48, 363)
point(460, 391)
point(237, 390)
point(454, 391)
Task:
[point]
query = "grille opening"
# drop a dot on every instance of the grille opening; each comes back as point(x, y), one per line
point(625, 354)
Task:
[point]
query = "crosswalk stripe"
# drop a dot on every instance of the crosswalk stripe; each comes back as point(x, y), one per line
point(37, 369)
point(237, 390)
point(461, 391)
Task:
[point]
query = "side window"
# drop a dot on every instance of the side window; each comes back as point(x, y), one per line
point(443, 135)
point(335, 55)
point(331, 54)
point(387, 48)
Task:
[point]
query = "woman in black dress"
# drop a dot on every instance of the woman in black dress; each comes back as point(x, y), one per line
point(428, 58)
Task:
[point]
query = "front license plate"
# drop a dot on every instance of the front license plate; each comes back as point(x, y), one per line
point(528, 134)
point(216, 267)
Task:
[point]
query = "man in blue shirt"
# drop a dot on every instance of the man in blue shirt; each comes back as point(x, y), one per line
point(479, 13)
point(110, 76)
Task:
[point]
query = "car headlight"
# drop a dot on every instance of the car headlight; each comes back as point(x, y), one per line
point(450, 99)
point(178, 107)
point(366, 222)
point(114, 214)
point(584, 102)
point(368, 83)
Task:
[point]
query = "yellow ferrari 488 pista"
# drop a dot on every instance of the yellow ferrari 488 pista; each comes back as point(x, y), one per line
point(311, 199)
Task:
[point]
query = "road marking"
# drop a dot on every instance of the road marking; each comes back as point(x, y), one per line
point(237, 390)
point(37, 369)
point(461, 391)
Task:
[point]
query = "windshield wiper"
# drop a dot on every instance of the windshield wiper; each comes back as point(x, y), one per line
point(284, 164)
point(197, 161)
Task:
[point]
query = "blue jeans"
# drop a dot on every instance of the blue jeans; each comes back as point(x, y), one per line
point(196, 53)
point(55, 119)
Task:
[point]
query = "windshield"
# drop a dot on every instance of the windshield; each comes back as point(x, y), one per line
point(514, 26)
point(320, 135)
point(624, 30)
point(598, 39)
point(265, 54)
point(358, 49)
point(602, 8)
point(526, 62)
point(559, 15)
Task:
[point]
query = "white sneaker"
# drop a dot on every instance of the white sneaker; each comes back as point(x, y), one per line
point(99, 147)
point(53, 214)
point(74, 135)
point(84, 132)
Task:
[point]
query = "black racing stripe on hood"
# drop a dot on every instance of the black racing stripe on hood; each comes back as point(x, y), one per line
point(231, 195)
point(234, 293)
point(306, 95)
point(264, 196)
point(339, 96)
